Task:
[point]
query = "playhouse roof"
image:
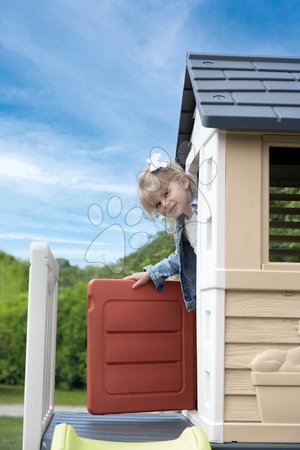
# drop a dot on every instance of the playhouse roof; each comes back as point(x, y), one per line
point(241, 92)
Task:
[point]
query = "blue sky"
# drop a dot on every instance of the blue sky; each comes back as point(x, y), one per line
point(87, 88)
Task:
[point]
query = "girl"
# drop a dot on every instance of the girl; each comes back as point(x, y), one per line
point(164, 187)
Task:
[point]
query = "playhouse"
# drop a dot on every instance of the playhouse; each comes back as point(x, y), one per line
point(239, 133)
point(242, 117)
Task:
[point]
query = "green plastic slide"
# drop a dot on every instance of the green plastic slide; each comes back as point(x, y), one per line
point(65, 438)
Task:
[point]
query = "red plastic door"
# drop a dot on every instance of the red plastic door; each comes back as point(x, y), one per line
point(140, 348)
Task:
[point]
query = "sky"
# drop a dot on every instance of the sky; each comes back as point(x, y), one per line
point(88, 88)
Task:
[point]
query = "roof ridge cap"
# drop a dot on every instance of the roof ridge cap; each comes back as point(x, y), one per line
point(241, 57)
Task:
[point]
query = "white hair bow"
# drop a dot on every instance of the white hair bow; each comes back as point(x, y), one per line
point(155, 162)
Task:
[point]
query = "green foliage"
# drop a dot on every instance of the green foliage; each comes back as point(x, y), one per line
point(13, 339)
point(13, 277)
point(71, 337)
point(13, 313)
point(158, 248)
point(71, 324)
point(285, 238)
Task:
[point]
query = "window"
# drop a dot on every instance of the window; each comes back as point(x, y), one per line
point(284, 204)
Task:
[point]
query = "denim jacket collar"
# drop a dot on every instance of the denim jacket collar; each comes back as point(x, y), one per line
point(194, 208)
point(182, 261)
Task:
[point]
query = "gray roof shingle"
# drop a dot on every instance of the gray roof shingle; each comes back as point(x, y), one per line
point(241, 92)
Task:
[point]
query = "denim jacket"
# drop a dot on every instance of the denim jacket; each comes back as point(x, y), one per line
point(182, 262)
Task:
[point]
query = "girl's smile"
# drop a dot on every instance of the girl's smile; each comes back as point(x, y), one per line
point(174, 199)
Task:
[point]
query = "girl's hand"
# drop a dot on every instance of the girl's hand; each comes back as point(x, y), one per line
point(140, 278)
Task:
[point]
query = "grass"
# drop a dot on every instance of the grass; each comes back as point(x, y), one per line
point(15, 394)
point(11, 427)
point(77, 397)
point(11, 433)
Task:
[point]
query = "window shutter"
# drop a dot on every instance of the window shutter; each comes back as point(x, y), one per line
point(284, 210)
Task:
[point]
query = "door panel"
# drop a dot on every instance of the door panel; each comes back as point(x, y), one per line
point(140, 350)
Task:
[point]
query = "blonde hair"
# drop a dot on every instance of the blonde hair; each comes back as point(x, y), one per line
point(149, 182)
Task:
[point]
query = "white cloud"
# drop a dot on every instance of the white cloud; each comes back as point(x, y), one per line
point(113, 57)
point(31, 153)
point(13, 167)
point(70, 179)
point(36, 237)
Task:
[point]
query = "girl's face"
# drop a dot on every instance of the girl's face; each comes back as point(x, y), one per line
point(174, 199)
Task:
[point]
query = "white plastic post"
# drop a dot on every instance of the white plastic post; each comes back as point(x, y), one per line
point(208, 157)
point(41, 345)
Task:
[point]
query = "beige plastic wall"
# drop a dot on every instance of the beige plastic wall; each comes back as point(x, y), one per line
point(262, 300)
